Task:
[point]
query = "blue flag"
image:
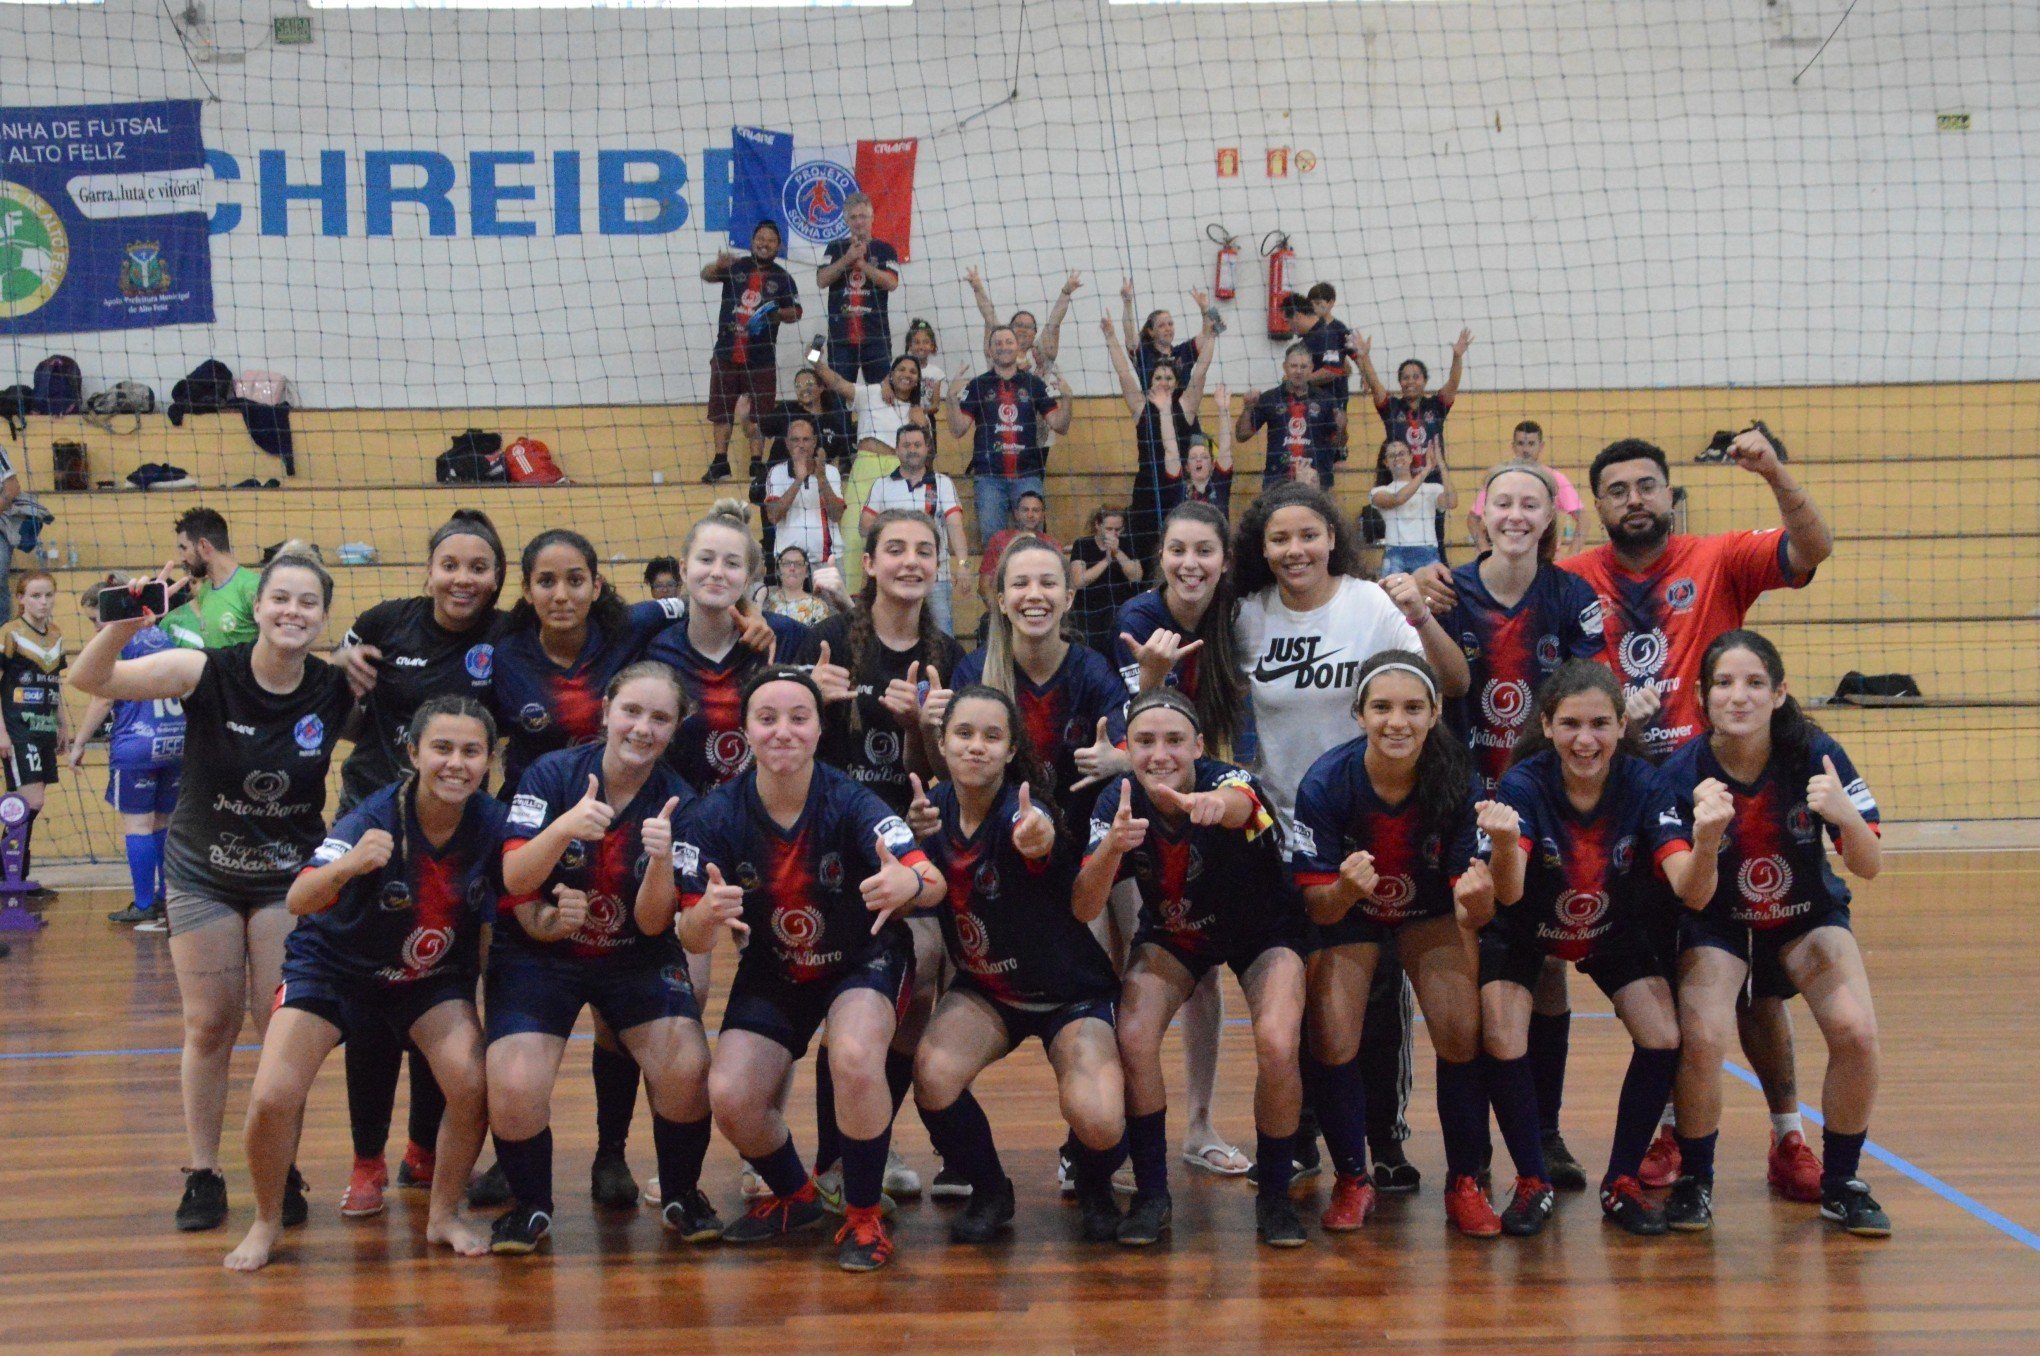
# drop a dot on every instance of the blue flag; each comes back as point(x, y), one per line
point(759, 166)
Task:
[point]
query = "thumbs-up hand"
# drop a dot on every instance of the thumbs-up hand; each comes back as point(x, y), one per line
point(1096, 760)
point(656, 833)
point(1127, 832)
point(935, 704)
point(832, 679)
point(889, 889)
point(1826, 796)
point(1473, 895)
point(570, 910)
point(902, 697)
point(1033, 830)
point(923, 819)
point(590, 817)
point(725, 903)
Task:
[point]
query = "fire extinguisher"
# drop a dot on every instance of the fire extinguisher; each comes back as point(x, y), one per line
point(1275, 249)
point(1226, 285)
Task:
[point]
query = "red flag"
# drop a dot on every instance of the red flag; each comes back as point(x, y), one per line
point(885, 170)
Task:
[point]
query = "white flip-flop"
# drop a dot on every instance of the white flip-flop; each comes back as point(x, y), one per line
point(1200, 1158)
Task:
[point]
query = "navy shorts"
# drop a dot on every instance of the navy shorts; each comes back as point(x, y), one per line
point(527, 992)
point(1044, 1023)
point(869, 361)
point(1356, 928)
point(1758, 947)
point(1620, 958)
point(143, 790)
point(764, 1001)
point(367, 1008)
point(1239, 956)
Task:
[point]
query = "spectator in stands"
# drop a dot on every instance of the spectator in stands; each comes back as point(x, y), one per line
point(1107, 576)
point(1327, 339)
point(922, 348)
point(1413, 418)
point(1164, 413)
point(804, 497)
point(1154, 343)
point(222, 610)
point(662, 577)
point(829, 415)
point(912, 485)
point(758, 296)
point(1204, 477)
point(1038, 347)
point(1410, 505)
point(1305, 426)
point(1013, 412)
point(860, 274)
point(883, 408)
point(1030, 519)
point(794, 596)
point(10, 490)
point(1527, 444)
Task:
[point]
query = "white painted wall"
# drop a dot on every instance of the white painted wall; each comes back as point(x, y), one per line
point(1610, 192)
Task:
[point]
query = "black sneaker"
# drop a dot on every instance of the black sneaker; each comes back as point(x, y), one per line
point(205, 1201)
point(1690, 1207)
point(1395, 1175)
point(1850, 1205)
point(1563, 1170)
point(1623, 1203)
point(1275, 1219)
point(718, 471)
point(1065, 1173)
point(490, 1190)
point(296, 1209)
point(989, 1214)
point(949, 1185)
point(41, 894)
point(773, 1217)
point(693, 1218)
point(1310, 1160)
point(1146, 1220)
point(131, 915)
point(1098, 1216)
point(518, 1232)
point(1529, 1208)
point(610, 1182)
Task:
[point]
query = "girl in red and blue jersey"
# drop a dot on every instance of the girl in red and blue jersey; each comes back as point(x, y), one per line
point(390, 909)
point(590, 868)
point(812, 870)
point(1760, 794)
point(1384, 848)
point(1582, 880)
point(1026, 965)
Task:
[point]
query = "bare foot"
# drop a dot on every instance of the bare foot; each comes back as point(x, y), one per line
point(463, 1238)
point(253, 1254)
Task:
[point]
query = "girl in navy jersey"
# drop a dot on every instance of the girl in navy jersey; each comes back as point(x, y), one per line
point(249, 813)
point(1164, 402)
point(400, 654)
point(1026, 965)
point(1582, 881)
point(1384, 847)
point(1195, 836)
point(1759, 794)
point(812, 870)
point(590, 875)
point(391, 908)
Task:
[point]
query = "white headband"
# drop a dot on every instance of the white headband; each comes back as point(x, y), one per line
point(1397, 666)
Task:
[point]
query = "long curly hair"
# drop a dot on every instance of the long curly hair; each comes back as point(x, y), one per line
point(1251, 573)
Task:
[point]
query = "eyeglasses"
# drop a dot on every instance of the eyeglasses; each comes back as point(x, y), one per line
point(1621, 490)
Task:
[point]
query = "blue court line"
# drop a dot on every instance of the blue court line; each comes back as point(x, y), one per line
point(2010, 1228)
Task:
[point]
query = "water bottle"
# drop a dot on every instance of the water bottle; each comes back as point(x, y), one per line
point(71, 554)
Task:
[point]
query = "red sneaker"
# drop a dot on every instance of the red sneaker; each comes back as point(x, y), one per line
point(1795, 1171)
point(364, 1194)
point(1466, 1205)
point(1352, 1202)
point(1661, 1162)
point(416, 1169)
point(863, 1243)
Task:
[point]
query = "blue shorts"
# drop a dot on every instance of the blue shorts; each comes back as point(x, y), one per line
point(763, 1001)
point(1044, 1023)
point(1622, 957)
point(143, 790)
point(1356, 928)
point(366, 1007)
point(1240, 955)
point(546, 993)
point(1758, 947)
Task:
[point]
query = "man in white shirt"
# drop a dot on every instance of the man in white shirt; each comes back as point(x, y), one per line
point(804, 497)
point(913, 486)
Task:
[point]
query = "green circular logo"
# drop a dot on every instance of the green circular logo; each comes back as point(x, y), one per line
point(35, 253)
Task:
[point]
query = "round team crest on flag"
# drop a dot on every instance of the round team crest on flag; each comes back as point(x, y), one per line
point(813, 200)
point(309, 732)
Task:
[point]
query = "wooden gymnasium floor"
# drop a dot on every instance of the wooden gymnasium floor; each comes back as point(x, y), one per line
point(89, 1128)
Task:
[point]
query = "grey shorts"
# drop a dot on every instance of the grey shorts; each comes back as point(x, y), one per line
point(187, 910)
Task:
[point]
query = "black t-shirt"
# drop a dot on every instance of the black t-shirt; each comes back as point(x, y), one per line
point(857, 306)
point(834, 431)
point(871, 749)
point(420, 660)
point(1097, 604)
point(252, 807)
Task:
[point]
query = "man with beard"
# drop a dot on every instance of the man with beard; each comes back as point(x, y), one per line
point(1665, 597)
point(222, 610)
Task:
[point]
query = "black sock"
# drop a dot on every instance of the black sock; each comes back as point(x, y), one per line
point(1147, 1140)
point(681, 1145)
point(899, 1078)
point(864, 1169)
point(373, 1059)
point(528, 1165)
point(1341, 1112)
point(828, 1140)
point(1550, 1043)
point(1462, 1116)
point(428, 1104)
point(28, 844)
point(1276, 1155)
point(1644, 1089)
point(616, 1085)
point(1512, 1092)
point(963, 1137)
point(1841, 1157)
point(1093, 1168)
point(782, 1169)
point(1696, 1157)
point(1384, 1052)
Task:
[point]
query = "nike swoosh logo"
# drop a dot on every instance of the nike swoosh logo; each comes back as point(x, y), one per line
point(1264, 674)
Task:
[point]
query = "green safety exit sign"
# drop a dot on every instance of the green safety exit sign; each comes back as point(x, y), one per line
point(292, 29)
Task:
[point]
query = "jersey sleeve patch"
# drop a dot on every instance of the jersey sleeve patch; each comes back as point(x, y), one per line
point(528, 812)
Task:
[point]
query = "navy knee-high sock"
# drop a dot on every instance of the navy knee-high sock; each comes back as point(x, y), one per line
point(1093, 1168)
point(899, 1077)
point(864, 1169)
point(1550, 1044)
point(1341, 1102)
point(1147, 1140)
point(828, 1139)
point(963, 1136)
point(1841, 1157)
point(1696, 1157)
point(681, 1145)
point(428, 1104)
point(1276, 1156)
point(1462, 1116)
point(1644, 1090)
point(781, 1169)
point(373, 1060)
point(528, 1165)
point(1512, 1091)
point(616, 1085)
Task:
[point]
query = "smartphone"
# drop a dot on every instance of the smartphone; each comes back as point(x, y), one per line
point(122, 601)
point(814, 352)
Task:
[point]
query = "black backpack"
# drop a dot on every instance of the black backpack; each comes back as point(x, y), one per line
point(1861, 689)
point(15, 404)
point(475, 457)
point(59, 386)
point(208, 390)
